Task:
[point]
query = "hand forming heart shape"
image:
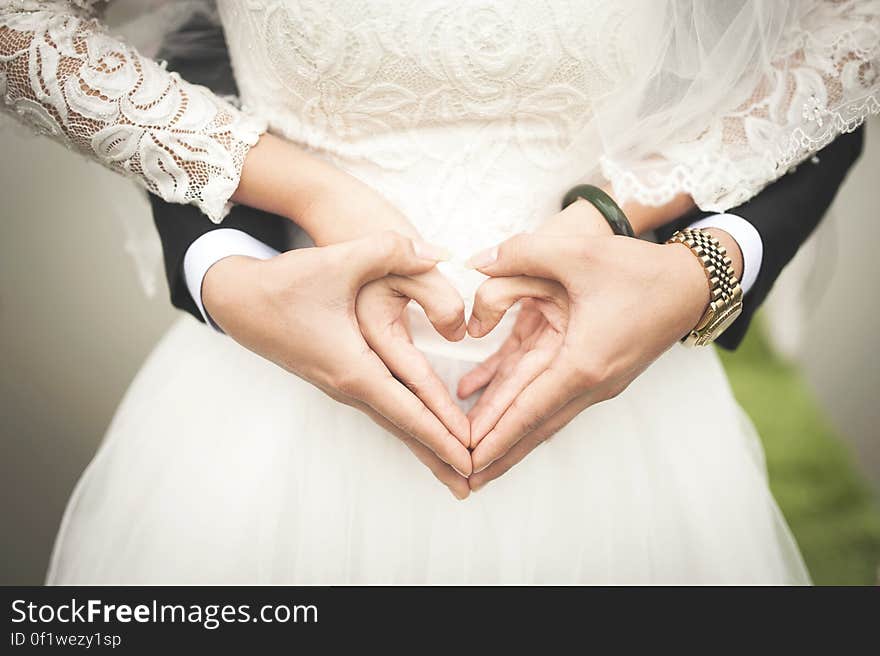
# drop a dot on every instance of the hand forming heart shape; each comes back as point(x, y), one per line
point(596, 311)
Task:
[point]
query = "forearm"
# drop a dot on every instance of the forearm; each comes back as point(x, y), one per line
point(280, 178)
point(645, 218)
point(329, 204)
point(582, 217)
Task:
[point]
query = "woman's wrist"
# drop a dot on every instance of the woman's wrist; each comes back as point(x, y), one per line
point(645, 218)
point(580, 218)
point(327, 203)
point(279, 178)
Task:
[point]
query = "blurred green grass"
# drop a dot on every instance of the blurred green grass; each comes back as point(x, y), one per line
point(832, 512)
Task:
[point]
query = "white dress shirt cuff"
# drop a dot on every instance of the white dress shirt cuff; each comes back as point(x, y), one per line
point(748, 238)
point(212, 247)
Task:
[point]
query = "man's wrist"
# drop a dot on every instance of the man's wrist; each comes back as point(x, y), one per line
point(691, 286)
point(724, 304)
point(210, 248)
point(226, 284)
point(731, 245)
point(749, 245)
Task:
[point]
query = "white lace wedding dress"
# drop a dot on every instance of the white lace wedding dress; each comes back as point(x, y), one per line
point(473, 118)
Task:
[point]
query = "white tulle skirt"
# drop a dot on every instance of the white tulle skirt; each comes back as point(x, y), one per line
point(222, 468)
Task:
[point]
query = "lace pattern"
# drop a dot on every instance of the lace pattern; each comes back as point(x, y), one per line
point(464, 114)
point(824, 82)
point(441, 105)
point(65, 77)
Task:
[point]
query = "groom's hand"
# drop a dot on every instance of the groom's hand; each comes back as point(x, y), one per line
point(381, 313)
point(610, 306)
point(299, 311)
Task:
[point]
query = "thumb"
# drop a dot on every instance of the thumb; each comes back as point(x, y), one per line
point(378, 255)
point(541, 256)
point(439, 299)
point(497, 295)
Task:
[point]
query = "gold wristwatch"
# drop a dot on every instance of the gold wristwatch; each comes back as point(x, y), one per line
point(725, 300)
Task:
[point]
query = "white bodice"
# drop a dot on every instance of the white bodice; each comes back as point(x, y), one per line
point(463, 114)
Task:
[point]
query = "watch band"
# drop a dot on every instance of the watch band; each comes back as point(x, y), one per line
point(725, 299)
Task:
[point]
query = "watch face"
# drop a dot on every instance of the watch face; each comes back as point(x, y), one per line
point(724, 321)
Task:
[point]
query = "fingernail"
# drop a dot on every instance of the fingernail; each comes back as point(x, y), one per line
point(474, 326)
point(483, 258)
point(429, 251)
point(478, 470)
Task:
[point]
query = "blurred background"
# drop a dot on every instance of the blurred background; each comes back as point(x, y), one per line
point(75, 324)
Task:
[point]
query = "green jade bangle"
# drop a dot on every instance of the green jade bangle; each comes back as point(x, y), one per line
point(615, 217)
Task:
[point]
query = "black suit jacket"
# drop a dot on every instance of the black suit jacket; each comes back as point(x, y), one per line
point(784, 214)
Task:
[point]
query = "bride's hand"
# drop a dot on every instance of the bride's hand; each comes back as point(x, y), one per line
point(619, 304)
point(299, 310)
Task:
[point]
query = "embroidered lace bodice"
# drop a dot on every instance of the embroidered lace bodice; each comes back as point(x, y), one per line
point(463, 114)
point(473, 117)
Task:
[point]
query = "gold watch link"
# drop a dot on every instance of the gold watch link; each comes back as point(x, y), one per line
point(725, 293)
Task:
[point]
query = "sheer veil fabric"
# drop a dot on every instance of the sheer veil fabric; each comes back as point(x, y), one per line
point(726, 96)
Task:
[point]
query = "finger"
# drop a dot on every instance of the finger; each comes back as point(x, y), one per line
point(377, 255)
point(552, 389)
point(402, 408)
point(495, 297)
point(412, 368)
point(456, 483)
point(530, 442)
point(505, 367)
point(438, 298)
point(495, 402)
point(541, 256)
point(482, 374)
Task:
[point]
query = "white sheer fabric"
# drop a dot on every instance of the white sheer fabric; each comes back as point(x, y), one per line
point(65, 77)
point(727, 96)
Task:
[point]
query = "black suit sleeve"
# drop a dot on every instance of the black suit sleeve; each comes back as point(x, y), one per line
point(785, 214)
point(206, 62)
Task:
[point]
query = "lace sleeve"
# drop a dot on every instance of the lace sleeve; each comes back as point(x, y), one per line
point(823, 81)
point(62, 74)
